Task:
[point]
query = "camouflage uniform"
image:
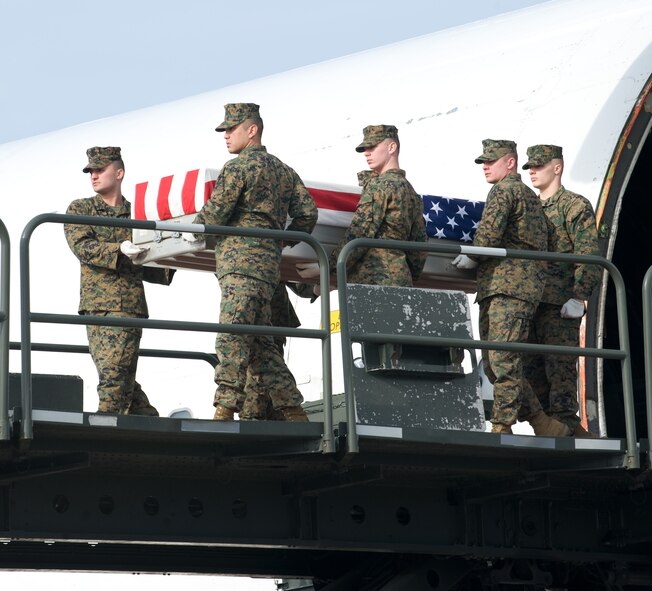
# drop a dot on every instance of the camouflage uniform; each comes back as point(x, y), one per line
point(389, 209)
point(257, 404)
point(509, 289)
point(111, 285)
point(364, 176)
point(254, 190)
point(554, 377)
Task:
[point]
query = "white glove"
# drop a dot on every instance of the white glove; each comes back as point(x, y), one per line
point(461, 261)
point(572, 309)
point(189, 237)
point(131, 251)
point(307, 270)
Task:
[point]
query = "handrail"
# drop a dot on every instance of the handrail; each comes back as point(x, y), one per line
point(632, 459)
point(647, 349)
point(5, 251)
point(210, 358)
point(328, 445)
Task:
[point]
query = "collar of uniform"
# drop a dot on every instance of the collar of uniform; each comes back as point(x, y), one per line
point(554, 198)
point(254, 148)
point(102, 205)
point(510, 177)
point(398, 171)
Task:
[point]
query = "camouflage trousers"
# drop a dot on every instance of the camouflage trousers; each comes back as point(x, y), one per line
point(114, 350)
point(258, 405)
point(245, 362)
point(554, 377)
point(506, 319)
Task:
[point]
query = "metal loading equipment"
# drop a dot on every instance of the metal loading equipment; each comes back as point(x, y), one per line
point(420, 384)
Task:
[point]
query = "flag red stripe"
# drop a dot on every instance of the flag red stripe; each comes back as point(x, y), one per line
point(336, 200)
point(162, 201)
point(139, 201)
point(188, 191)
point(208, 189)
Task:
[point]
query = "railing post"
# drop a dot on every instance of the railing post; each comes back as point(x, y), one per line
point(632, 458)
point(647, 354)
point(5, 258)
point(26, 425)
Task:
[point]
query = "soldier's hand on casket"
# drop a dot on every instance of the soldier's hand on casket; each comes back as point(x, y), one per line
point(131, 250)
point(461, 261)
point(573, 308)
point(307, 270)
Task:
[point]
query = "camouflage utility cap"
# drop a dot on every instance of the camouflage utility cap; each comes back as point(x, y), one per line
point(374, 134)
point(541, 154)
point(101, 157)
point(236, 113)
point(494, 149)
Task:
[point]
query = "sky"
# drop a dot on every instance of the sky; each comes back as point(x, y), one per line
point(71, 61)
point(67, 62)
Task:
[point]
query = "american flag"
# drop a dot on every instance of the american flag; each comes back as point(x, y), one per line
point(451, 218)
point(183, 194)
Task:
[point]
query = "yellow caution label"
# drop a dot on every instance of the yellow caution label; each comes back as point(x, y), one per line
point(335, 321)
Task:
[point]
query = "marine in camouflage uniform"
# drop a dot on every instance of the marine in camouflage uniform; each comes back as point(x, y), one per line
point(254, 190)
point(508, 290)
point(389, 209)
point(554, 377)
point(111, 285)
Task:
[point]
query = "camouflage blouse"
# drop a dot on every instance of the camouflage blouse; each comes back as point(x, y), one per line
point(575, 232)
point(110, 282)
point(389, 209)
point(512, 218)
point(256, 190)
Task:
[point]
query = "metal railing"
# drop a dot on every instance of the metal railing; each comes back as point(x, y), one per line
point(647, 348)
point(210, 358)
point(27, 316)
point(5, 252)
point(631, 454)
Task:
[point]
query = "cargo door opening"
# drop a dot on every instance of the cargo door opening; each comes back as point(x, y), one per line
point(625, 235)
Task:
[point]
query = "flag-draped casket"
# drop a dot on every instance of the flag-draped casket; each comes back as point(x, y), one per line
point(176, 198)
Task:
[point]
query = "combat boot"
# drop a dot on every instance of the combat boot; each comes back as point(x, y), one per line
point(222, 413)
point(140, 404)
point(143, 410)
point(294, 413)
point(581, 433)
point(501, 428)
point(545, 425)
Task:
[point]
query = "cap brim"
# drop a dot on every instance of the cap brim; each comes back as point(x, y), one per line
point(222, 126)
point(531, 163)
point(362, 147)
point(481, 159)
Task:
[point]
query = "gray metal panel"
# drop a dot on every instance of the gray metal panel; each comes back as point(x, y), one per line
point(50, 392)
point(413, 386)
